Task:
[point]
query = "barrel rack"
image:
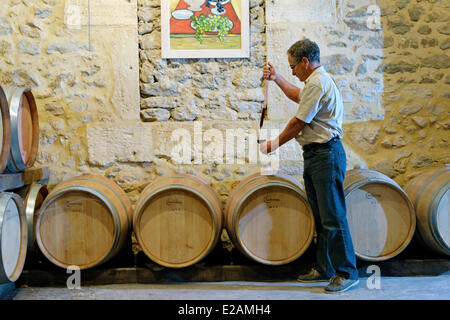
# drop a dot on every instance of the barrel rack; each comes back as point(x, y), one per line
point(12, 181)
point(203, 273)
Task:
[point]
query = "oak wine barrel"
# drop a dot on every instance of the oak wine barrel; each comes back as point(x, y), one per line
point(33, 196)
point(380, 215)
point(24, 129)
point(5, 131)
point(84, 221)
point(178, 220)
point(13, 237)
point(268, 219)
point(430, 194)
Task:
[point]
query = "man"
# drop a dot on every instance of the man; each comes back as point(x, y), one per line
point(317, 126)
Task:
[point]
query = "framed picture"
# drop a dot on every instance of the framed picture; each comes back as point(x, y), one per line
point(205, 28)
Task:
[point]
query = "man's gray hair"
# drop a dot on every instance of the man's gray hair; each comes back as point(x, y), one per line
point(305, 48)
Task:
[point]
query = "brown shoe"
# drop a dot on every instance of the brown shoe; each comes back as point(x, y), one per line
point(339, 284)
point(312, 276)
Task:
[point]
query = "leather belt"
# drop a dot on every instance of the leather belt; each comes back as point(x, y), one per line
point(313, 145)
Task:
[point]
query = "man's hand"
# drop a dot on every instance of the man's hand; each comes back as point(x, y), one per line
point(290, 90)
point(269, 72)
point(268, 146)
point(291, 131)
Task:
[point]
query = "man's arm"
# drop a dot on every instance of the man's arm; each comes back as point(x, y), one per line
point(291, 91)
point(291, 130)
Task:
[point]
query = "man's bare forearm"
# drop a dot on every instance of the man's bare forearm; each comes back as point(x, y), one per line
point(291, 131)
point(291, 91)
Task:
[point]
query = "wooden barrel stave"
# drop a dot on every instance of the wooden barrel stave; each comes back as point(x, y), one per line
point(84, 221)
point(177, 220)
point(380, 215)
point(254, 223)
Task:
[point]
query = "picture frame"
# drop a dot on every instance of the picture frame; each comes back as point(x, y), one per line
point(205, 29)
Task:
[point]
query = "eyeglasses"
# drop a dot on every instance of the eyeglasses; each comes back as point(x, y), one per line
point(293, 67)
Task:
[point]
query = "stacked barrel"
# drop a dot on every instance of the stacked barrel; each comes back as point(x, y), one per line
point(19, 145)
point(430, 195)
point(13, 238)
point(84, 221)
point(178, 220)
point(380, 215)
point(268, 219)
point(20, 129)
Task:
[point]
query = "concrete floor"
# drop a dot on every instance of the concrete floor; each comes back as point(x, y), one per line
point(391, 288)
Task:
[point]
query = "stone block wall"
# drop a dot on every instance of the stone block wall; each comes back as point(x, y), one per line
point(413, 135)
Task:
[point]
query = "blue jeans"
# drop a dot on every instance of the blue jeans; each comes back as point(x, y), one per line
point(324, 173)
